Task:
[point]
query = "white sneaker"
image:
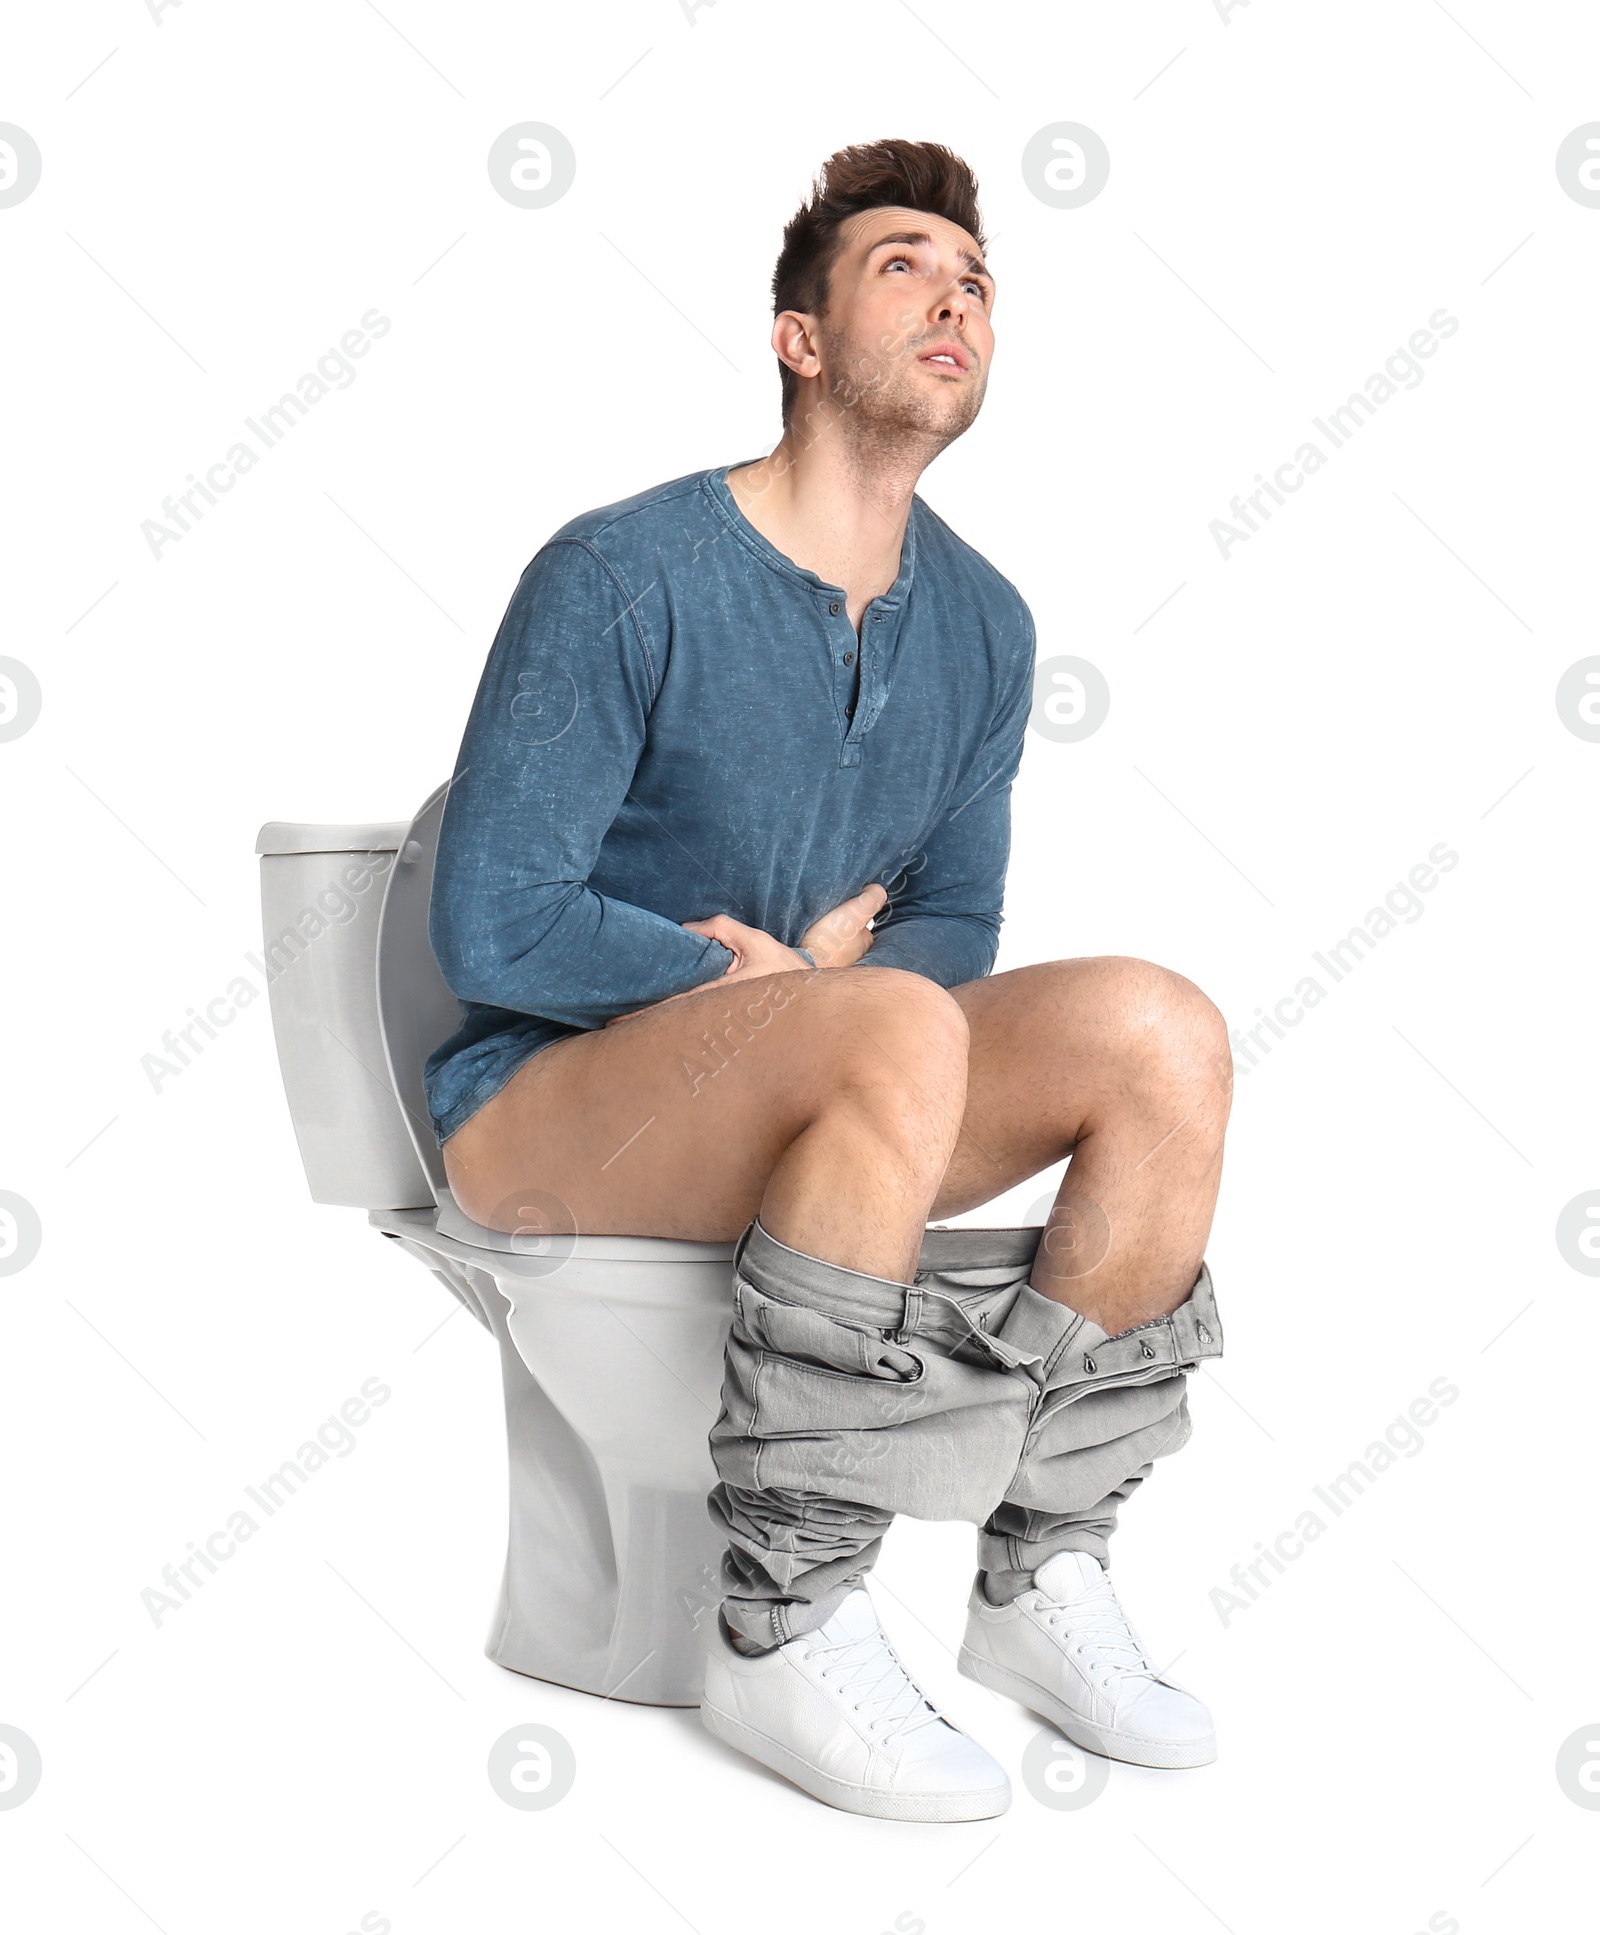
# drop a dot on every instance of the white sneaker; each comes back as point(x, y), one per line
point(1065, 1649)
point(834, 1711)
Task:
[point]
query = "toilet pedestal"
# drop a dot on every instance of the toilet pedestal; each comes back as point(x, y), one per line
point(612, 1562)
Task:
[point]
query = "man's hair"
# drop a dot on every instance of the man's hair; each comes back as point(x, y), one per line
point(877, 174)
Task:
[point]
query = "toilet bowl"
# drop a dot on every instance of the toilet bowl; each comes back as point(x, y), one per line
point(610, 1346)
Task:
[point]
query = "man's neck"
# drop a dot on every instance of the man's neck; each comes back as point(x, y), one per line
point(830, 508)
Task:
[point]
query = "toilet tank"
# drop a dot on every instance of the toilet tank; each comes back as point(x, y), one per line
point(322, 889)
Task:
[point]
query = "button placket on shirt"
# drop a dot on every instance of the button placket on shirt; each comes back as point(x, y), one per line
point(844, 661)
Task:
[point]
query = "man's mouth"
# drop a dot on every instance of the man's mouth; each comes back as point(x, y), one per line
point(947, 356)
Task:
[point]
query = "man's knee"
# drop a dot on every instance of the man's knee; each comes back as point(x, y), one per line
point(898, 1039)
point(1180, 1033)
point(1168, 1031)
point(905, 1013)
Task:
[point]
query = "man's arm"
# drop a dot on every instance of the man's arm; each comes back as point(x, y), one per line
point(944, 922)
point(550, 750)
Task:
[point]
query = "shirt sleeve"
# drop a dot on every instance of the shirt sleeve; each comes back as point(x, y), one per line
point(550, 749)
point(944, 919)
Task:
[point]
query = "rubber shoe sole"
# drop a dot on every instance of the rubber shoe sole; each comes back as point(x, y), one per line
point(1083, 1733)
point(847, 1795)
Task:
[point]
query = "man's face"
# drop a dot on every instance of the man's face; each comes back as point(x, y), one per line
point(905, 286)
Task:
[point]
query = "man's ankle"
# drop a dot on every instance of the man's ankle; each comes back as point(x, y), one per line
point(742, 1642)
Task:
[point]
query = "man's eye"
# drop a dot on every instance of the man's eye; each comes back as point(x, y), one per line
point(975, 286)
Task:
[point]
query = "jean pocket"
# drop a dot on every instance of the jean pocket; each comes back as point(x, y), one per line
point(814, 1341)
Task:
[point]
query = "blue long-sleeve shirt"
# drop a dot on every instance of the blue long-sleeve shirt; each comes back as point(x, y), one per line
point(670, 726)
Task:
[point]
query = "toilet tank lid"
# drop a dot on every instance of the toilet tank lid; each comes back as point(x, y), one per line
point(300, 836)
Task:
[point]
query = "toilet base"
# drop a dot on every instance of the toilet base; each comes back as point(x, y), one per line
point(687, 1706)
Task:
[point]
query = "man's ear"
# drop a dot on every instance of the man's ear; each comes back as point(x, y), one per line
point(794, 342)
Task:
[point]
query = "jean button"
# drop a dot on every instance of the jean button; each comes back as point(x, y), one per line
point(835, 608)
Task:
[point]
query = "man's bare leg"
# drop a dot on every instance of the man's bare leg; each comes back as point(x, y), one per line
point(871, 1101)
point(1127, 1066)
point(827, 1102)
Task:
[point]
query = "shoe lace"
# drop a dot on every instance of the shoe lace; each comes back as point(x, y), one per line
point(870, 1675)
point(1102, 1637)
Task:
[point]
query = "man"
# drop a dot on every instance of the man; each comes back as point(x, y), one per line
point(727, 724)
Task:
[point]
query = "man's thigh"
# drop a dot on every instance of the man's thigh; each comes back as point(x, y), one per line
point(1060, 1048)
point(669, 1123)
point(1042, 1051)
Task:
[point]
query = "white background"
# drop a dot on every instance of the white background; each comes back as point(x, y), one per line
point(1293, 191)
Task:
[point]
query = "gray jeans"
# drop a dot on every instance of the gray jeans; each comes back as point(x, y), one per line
point(966, 1395)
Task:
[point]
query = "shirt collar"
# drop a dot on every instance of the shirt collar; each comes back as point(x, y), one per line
point(726, 505)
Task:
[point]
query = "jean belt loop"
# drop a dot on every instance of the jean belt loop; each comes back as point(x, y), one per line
point(912, 1315)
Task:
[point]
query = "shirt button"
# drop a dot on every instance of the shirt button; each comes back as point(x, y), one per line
point(834, 608)
point(849, 658)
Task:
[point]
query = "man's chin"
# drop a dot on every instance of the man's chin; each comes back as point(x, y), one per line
point(904, 418)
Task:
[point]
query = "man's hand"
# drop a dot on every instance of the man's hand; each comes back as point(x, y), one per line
point(836, 939)
point(841, 936)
